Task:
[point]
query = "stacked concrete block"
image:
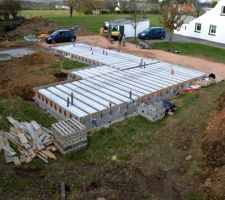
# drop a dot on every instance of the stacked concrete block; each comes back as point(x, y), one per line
point(70, 136)
point(153, 111)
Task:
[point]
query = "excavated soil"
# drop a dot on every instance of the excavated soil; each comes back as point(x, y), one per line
point(214, 148)
point(129, 182)
point(20, 76)
point(39, 25)
point(214, 144)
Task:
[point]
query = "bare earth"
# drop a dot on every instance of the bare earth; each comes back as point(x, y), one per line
point(193, 62)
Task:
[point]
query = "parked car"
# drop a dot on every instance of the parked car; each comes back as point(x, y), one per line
point(169, 105)
point(152, 33)
point(66, 35)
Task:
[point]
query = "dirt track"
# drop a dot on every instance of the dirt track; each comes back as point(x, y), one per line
point(194, 62)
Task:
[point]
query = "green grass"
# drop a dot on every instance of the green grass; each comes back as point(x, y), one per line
point(193, 49)
point(68, 64)
point(90, 22)
point(136, 142)
point(21, 110)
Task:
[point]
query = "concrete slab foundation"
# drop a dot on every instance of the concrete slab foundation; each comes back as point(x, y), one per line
point(113, 90)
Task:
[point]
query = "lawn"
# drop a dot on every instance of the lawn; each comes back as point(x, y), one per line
point(136, 143)
point(90, 22)
point(193, 49)
point(67, 64)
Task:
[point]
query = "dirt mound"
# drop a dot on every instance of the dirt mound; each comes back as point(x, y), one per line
point(127, 182)
point(214, 148)
point(214, 144)
point(215, 184)
point(221, 102)
point(18, 77)
point(39, 25)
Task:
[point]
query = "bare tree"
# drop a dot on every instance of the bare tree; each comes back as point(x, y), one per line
point(171, 17)
point(135, 17)
point(73, 4)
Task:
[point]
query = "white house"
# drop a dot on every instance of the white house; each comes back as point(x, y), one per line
point(117, 8)
point(126, 26)
point(209, 26)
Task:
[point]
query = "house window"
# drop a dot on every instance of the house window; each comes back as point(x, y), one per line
point(198, 27)
point(212, 30)
point(223, 10)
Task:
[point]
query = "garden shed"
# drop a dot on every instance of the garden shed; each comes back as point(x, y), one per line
point(126, 26)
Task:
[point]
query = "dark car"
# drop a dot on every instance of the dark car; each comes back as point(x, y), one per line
point(152, 33)
point(66, 35)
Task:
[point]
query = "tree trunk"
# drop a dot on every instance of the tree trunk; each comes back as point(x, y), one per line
point(135, 33)
point(71, 11)
point(171, 41)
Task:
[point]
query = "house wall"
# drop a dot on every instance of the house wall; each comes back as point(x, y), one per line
point(212, 17)
point(129, 29)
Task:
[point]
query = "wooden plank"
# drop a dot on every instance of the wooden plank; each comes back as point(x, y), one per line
point(54, 126)
point(64, 128)
point(22, 138)
point(39, 156)
point(77, 123)
point(1, 142)
point(49, 154)
point(67, 127)
point(36, 127)
point(9, 151)
point(35, 137)
point(8, 158)
point(59, 128)
point(16, 160)
point(75, 128)
point(15, 123)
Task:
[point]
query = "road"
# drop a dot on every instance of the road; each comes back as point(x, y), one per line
point(183, 39)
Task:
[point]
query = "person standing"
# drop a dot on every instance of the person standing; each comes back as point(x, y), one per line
point(120, 41)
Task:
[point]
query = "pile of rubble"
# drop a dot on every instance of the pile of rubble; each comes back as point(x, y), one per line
point(30, 139)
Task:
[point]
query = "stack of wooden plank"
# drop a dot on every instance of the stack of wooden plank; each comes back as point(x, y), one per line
point(31, 140)
point(9, 153)
point(70, 136)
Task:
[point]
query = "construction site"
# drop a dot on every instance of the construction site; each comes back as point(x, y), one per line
point(89, 120)
point(113, 88)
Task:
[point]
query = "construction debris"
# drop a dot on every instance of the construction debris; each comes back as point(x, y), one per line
point(153, 111)
point(203, 83)
point(31, 140)
point(70, 135)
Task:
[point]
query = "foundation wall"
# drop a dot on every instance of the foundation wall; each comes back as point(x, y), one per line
point(110, 115)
